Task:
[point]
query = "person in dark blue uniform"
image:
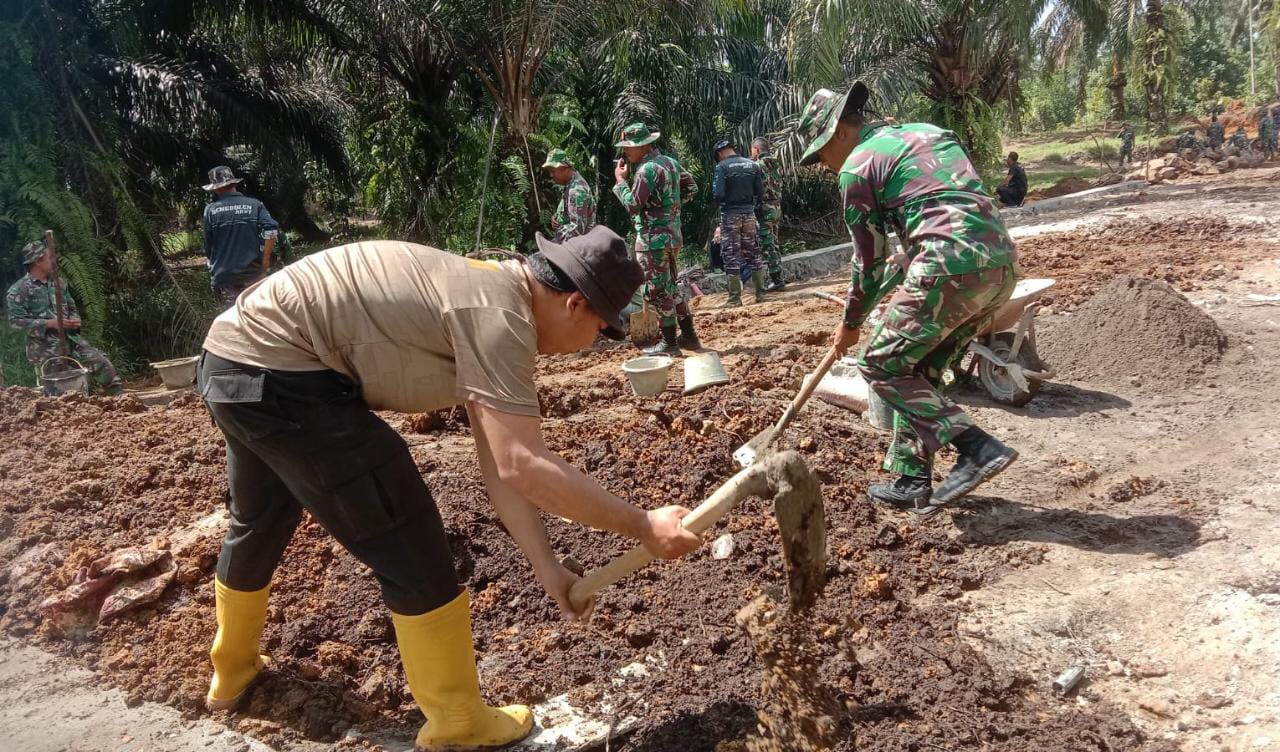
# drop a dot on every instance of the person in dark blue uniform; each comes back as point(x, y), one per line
point(239, 235)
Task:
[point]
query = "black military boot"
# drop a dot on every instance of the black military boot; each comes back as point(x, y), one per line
point(775, 283)
point(907, 492)
point(667, 346)
point(982, 457)
point(688, 338)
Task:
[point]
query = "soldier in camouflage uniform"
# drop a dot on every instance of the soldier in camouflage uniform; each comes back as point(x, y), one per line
point(653, 198)
point(576, 213)
point(771, 170)
point(1126, 136)
point(1187, 140)
point(1275, 121)
point(738, 189)
point(1267, 135)
point(32, 306)
point(1239, 139)
point(915, 179)
point(1216, 133)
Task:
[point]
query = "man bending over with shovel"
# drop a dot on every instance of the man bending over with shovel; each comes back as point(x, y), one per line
point(915, 179)
point(292, 375)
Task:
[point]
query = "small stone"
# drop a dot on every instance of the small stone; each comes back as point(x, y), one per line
point(1157, 706)
point(1115, 668)
point(722, 548)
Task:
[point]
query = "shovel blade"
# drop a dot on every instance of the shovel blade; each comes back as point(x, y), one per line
point(746, 455)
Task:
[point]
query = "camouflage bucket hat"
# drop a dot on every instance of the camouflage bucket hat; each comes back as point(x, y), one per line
point(32, 252)
point(221, 177)
point(823, 112)
point(557, 158)
point(637, 134)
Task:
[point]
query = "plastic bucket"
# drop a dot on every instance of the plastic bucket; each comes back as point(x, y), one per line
point(703, 370)
point(64, 382)
point(178, 372)
point(648, 374)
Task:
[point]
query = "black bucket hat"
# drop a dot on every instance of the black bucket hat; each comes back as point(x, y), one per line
point(598, 265)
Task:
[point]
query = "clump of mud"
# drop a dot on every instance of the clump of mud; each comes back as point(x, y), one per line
point(797, 711)
point(1139, 328)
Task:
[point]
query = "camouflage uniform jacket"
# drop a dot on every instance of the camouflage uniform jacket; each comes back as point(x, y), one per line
point(30, 303)
point(653, 199)
point(1126, 138)
point(772, 173)
point(1216, 135)
point(917, 180)
point(1240, 140)
point(576, 213)
point(1186, 141)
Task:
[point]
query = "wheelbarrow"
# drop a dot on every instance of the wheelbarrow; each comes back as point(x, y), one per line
point(1003, 354)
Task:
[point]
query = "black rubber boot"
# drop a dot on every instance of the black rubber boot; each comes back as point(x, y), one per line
point(688, 338)
point(982, 457)
point(667, 346)
point(775, 283)
point(907, 492)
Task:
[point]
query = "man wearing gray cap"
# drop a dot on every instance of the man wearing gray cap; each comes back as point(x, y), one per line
point(239, 235)
point(292, 376)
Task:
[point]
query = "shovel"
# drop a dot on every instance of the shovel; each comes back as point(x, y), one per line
point(797, 505)
point(760, 444)
point(644, 325)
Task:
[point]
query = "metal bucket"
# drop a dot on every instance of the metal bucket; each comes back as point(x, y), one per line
point(64, 382)
point(703, 370)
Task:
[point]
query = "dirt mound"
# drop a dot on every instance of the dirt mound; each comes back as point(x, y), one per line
point(1069, 184)
point(1135, 327)
point(80, 478)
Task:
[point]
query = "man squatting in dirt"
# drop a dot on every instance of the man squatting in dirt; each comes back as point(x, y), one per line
point(32, 307)
point(292, 375)
point(653, 199)
point(916, 179)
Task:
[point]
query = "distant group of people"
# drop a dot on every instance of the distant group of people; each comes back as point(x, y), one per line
point(1216, 138)
point(652, 186)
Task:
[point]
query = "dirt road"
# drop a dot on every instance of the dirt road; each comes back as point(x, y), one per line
point(1135, 537)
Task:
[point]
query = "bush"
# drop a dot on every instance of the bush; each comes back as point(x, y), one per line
point(15, 367)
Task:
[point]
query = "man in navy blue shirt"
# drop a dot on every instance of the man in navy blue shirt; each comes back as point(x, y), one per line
point(738, 188)
point(239, 235)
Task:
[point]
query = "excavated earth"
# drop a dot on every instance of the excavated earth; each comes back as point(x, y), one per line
point(81, 477)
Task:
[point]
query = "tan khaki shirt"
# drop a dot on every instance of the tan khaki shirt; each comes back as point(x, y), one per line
point(417, 327)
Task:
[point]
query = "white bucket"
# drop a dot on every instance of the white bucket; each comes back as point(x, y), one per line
point(178, 372)
point(648, 374)
point(703, 370)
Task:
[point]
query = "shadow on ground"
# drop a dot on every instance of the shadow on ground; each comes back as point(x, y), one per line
point(988, 521)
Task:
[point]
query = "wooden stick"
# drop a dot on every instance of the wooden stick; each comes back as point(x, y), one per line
point(749, 482)
point(57, 291)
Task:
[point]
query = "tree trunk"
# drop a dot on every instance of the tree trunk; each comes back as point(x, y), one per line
point(1116, 85)
point(1156, 62)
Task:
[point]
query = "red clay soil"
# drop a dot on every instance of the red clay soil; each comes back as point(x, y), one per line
point(91, 475)
point(1083, 260)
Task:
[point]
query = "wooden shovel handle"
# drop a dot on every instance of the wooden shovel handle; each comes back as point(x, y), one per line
point(806, 391)
point(746, 483)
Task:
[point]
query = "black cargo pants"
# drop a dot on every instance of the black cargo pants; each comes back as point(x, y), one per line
point(308, 441)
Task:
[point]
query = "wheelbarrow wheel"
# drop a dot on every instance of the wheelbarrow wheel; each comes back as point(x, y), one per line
point(997, 381)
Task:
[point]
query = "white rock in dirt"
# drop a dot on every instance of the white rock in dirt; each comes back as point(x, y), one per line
point(1115, 668)
point(722, 548)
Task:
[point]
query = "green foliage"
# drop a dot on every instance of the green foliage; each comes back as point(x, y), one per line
point(1050, 101)
point(16, 370)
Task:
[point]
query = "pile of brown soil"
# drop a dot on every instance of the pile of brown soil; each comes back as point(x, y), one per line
point(1069, 184)
point(1135, 327)
point(80, 477)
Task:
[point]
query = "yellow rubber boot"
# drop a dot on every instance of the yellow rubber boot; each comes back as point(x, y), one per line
point(236, 663)
point(440, 664)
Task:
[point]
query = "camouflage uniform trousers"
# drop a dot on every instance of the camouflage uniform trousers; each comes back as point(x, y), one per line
point(769, 240)
point(926, 326)
point(739, 243)
point(1268, 144)
point(102, 375)
point(660, 289)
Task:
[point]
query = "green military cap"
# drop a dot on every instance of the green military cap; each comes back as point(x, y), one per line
point(823, 112)
point(638, 134)
point(32, 252)
point(557, 158)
